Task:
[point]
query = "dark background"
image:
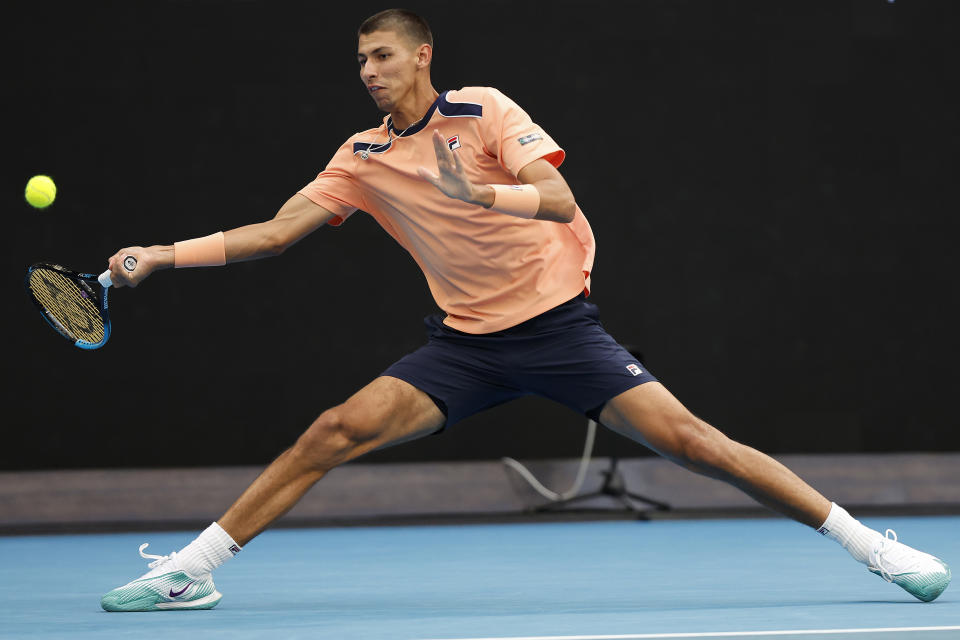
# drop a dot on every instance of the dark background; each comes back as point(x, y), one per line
point(772, 186)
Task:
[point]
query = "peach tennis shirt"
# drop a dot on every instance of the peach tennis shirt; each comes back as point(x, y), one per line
point(488, 271)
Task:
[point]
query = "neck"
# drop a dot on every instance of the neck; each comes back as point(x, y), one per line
point(413, 106)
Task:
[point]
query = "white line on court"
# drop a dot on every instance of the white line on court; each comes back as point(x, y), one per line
point(719, 634)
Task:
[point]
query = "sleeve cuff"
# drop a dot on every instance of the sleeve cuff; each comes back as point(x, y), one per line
point(340, 209)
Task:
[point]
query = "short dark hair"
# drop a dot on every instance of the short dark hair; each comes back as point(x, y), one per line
point(406, 23)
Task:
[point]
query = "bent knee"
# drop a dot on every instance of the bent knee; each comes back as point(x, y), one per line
point(333, 437)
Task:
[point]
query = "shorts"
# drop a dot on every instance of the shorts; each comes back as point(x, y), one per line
point(563, 354)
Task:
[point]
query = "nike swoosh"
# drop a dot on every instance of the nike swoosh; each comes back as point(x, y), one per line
point(175, 594)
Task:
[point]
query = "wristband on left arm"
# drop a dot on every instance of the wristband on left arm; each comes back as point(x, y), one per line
point(519, 200)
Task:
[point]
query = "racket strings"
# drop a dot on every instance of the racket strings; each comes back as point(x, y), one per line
point(69, 306)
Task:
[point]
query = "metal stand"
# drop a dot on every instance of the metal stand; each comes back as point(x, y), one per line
point(614, 487)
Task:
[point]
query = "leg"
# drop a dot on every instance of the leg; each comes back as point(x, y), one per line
point(386, 411)
point(651, 415)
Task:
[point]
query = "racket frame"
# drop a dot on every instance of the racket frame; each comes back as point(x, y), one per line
point(86, 281)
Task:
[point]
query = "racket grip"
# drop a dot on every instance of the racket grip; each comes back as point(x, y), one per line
point(129, 263)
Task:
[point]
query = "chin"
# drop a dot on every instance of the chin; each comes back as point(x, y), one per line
point(383, 105)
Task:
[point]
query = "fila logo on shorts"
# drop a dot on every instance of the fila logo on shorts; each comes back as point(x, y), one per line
point(453, 142)
point(634, 369)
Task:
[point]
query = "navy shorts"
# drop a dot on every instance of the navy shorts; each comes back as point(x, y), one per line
point(563, 354)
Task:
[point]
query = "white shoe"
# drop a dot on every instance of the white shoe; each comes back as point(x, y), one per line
point(920, 574)
point(164, 587)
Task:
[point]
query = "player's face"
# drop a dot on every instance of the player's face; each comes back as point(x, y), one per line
point(388, 66)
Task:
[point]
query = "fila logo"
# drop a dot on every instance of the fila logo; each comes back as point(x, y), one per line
point(234, 549)
point(453, 142)
point(634, 369)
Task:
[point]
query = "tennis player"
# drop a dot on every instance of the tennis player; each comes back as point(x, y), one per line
point(468, 184)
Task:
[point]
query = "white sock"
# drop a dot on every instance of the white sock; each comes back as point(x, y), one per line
point(853, 536)
point(211, 549)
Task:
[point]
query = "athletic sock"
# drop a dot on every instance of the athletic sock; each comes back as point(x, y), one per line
point(211, 549)
point(853, 536)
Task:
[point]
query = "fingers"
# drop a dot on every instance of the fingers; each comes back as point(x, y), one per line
point(443, 162)
point(112, 264)
point(451, 178)
point(119, 274)
point(439, 146)
point(445, 159)
point(456, 162)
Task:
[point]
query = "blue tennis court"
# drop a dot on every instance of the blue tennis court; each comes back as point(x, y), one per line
point(623, 579)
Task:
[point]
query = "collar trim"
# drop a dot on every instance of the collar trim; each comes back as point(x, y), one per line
point(446, 108)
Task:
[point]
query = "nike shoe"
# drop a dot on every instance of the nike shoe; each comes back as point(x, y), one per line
point(162, 588)
point(920, 574)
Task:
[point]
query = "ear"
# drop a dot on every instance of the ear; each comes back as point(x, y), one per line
point(424, 56)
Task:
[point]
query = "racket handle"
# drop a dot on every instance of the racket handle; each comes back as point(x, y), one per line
point(129, 263)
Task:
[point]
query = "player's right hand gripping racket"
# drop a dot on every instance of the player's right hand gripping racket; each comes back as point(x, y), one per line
point(75, 304)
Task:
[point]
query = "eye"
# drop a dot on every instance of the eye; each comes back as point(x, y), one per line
point(384, 56)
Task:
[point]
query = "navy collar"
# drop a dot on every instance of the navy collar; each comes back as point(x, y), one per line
point(419, 124)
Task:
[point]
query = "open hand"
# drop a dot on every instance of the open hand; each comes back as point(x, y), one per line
point(452, 179)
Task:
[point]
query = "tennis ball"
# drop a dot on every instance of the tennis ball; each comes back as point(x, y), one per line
point(40, 191)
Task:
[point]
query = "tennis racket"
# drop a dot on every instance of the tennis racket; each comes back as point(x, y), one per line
point(74, 304)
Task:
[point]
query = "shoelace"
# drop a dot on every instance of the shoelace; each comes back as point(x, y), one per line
point(884, 573)
point(158, 560)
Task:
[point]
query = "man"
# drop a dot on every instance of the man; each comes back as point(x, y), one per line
point(507, 255)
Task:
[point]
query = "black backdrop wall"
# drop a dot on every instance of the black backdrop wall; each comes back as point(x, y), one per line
point(771, 184)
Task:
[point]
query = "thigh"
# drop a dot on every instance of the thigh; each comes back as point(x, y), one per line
point(651, 415)
point(389, 411)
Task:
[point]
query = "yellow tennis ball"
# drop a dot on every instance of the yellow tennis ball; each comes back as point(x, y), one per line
point(40, 192)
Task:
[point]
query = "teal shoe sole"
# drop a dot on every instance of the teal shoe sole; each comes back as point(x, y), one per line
point(153, 603)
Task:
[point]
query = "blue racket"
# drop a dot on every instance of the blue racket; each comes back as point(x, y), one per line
point(74, 304)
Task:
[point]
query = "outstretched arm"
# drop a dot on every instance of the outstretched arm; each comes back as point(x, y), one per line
point(556, 199)
point(297, 218)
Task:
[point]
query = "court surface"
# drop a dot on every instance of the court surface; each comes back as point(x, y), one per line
point(580, 581)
